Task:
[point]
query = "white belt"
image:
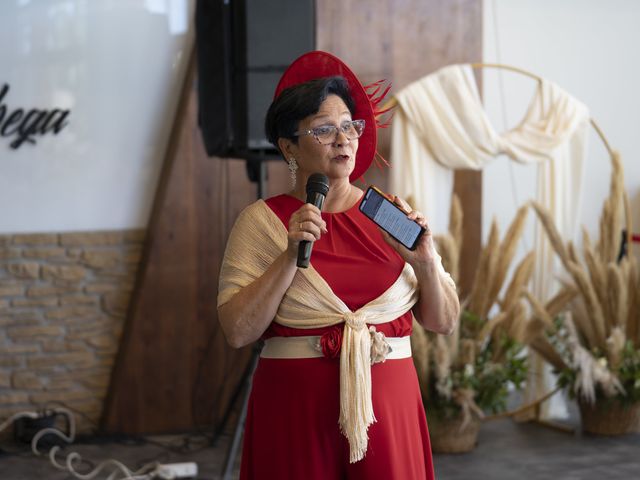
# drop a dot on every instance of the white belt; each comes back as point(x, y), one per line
point(308, 347)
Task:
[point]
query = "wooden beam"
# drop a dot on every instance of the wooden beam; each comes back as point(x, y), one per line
point(174, 370)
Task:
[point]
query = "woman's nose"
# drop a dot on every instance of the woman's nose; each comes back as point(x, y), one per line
point(341, 138)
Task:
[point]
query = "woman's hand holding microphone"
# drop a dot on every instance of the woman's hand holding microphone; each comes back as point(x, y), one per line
point(305, 224)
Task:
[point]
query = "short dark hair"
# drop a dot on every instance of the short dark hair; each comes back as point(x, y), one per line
point(299, 101)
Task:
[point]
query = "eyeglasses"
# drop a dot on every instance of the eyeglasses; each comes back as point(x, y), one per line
point(328, 134)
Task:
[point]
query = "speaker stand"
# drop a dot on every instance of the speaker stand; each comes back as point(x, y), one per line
point(245, 385)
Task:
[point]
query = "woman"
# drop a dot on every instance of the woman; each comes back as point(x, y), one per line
point(335, 394)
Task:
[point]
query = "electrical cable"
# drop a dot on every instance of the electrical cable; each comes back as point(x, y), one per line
point(183, 447)
point(11, 419)
point(119, 471)
point(74, 410)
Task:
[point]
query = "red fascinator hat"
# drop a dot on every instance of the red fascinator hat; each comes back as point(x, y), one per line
point(318, 64)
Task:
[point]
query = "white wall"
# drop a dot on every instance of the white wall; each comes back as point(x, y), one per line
point(588, 47)
point(118, 65)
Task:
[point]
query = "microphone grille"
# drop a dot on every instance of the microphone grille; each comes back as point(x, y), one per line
point(318, 183)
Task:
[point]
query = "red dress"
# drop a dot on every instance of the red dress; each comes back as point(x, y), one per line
point(292, 427)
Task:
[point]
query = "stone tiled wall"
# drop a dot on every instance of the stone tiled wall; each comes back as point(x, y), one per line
point(63, 300)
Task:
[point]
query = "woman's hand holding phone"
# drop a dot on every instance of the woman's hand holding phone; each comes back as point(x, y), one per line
point(423, 255)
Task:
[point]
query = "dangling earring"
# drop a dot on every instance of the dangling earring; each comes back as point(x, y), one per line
point(293, 167)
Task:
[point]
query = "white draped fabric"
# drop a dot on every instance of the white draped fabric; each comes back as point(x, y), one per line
point(441, 126)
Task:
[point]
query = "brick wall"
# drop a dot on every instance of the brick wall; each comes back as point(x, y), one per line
point(63, 299)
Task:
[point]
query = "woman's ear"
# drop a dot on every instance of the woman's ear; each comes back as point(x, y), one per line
point(287, 147)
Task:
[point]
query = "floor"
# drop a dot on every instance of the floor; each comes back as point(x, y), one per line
point(506, 450)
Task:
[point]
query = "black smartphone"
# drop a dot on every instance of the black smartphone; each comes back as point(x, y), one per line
point(391, 218)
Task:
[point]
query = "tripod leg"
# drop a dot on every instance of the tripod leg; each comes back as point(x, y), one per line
point(232, 453)
point(221, 427)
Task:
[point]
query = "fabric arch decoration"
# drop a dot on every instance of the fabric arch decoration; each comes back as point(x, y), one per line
point(440, 125)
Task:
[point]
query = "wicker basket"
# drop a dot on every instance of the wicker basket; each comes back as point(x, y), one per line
point(610, 417)
point(447, 436)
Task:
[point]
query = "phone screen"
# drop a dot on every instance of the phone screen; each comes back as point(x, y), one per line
point(390, 218)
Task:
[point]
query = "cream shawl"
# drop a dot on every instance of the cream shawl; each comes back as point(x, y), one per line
point(256, 240)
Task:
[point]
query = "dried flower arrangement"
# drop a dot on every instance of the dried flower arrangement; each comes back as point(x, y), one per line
point(595, 347)
point(469, 373)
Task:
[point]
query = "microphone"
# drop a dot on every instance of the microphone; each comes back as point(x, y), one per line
point(317, 188)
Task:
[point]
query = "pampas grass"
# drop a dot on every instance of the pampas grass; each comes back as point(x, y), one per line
point(633, 315)
point(605, 310)
point(479, 297)
point(420, 350)
point(560, 300)
point(552, 232)
point(448, 250)
point(481, 337)
point(455, 221)
point(594, 308)
point(507, 251)
point(442, 362)
point(617, 305)
point(520, 279)
point(596, 267)
point(611, 218)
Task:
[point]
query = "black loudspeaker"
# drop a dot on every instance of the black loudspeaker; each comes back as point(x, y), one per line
point(243, 48)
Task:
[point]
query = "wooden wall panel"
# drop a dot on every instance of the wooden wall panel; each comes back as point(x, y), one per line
point(402, 41)
point(174, 370)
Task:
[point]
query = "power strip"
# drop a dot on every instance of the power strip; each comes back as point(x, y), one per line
point(176, 470)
